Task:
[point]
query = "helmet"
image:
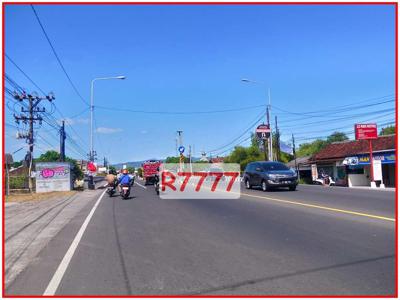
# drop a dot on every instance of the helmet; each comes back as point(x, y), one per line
point(124, 171)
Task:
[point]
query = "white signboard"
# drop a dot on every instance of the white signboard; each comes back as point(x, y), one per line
point(314, 172)
point(53, 176)
point(377, 170)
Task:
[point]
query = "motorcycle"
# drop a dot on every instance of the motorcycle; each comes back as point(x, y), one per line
point(111, 189)
point(324, 180)
point(125, 191)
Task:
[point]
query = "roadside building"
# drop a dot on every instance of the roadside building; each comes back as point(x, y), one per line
point(348, 162)
point(302, 164)
point(217, 160)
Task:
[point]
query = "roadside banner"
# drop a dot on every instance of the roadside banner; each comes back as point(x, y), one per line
point(377, 170)
point(314, 172)
point(53, 176)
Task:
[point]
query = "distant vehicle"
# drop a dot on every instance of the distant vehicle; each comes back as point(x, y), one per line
point(150, 170)
point(269, 174)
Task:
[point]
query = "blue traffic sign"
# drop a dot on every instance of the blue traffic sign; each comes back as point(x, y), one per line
point(181, 149)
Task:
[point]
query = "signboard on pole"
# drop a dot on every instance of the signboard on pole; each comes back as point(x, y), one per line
point(53, 176)
point(366, 131)
point(263, 132)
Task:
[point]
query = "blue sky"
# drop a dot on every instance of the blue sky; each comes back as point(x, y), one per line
point(191, 59)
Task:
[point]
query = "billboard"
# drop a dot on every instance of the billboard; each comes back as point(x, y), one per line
point(53, 176)
point(366, 131)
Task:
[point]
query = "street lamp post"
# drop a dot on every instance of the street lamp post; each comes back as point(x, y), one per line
point(270, 156)
point(91, 153)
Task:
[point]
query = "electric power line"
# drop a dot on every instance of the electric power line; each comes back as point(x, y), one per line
point(57, 57)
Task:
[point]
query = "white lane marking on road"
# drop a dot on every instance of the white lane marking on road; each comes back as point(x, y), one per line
point(59, 274)
point(141, 185)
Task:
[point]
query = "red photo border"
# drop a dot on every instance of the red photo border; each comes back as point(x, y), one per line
point(395, 295)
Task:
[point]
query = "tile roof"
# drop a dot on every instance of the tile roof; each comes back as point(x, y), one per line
point(348, 148)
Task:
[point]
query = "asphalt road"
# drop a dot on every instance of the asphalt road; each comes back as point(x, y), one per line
point(314, 241)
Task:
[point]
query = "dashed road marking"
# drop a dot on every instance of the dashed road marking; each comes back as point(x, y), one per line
point(141, 185)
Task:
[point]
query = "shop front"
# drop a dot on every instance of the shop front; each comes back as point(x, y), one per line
point(359, 166)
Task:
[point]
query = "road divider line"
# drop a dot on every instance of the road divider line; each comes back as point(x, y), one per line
point(141, 185)
point(59, 274)
point(323, 207)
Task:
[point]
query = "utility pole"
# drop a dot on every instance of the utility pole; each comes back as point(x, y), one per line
point(277, 137)
point(30, 116)
point(295, 159)
point(190, 158)
point(269, 139)
point(62, 141)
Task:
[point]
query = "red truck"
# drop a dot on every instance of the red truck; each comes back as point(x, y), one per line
point(150, 170)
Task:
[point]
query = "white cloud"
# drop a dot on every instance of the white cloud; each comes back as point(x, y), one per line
point(107, 130)
point(69, 121)
point(144, 132)
point(82, 121)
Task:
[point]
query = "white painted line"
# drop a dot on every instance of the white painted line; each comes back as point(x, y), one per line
point(59, 274)
point(140, 185)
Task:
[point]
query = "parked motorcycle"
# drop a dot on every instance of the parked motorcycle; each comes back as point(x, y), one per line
point(324, 180)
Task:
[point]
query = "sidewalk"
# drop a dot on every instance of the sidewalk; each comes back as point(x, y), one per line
point(30, 225)
point(387, 189)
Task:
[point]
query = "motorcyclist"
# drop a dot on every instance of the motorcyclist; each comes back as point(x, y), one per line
point(125, 179)
point(111, 179)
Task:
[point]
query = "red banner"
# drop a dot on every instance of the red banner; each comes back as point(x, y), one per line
point(91, 167)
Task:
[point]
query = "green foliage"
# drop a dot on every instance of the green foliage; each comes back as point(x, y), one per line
point(337, 137)
point(16, 164)
point(18, 182)
point(112, 170)
point(311, 148)
point(388, 130)
point(243, 155)
point(305, 181)
point(140, 172)
point(131, 170)
point(49, 156)
point(286, 157)
point(54, 156)
point(175, 160)
point(315, 146)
